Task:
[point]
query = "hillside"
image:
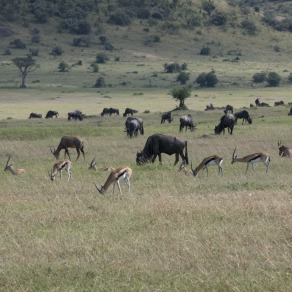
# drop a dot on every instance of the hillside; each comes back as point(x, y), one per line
point(140, 37)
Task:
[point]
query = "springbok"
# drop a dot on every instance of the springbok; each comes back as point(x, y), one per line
point(208, 161)
point(14, 171)
point(69, 142)
point(284, 151)
point(114, 178)
point(252, 158)
point(59, 167)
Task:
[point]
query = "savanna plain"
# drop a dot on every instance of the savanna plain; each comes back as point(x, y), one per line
point(171, 232)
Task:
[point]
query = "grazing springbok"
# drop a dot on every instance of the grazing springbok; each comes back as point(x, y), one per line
point(69, 142)
point(252, 158)
point(14, 171)
point(284, 151)
point(114, 178)
point(59, 167)
point(208, 161)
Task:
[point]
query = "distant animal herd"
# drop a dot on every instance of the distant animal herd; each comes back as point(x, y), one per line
point(155, 145)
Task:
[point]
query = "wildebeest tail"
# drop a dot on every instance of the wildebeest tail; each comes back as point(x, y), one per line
point(186, 152)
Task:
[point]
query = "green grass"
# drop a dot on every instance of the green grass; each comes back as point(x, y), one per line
point(172, 232)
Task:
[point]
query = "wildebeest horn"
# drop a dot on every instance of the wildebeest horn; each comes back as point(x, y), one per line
point(98, 188)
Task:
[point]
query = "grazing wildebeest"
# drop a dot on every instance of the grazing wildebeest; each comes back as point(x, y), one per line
point(228, 109)
point(166, 117)
point(69, 142)
point(77, 115)
point(290, 112)
point(105, 112)
point(186, 121)
point(226, 121)
point(244, 115)
point(35, 116)
point(50, 114)
point(114, 111)
point(262, 104)
point(277, 103)
point(129, 111)
point(157, 144)
point(284, 151)
point(134, 126)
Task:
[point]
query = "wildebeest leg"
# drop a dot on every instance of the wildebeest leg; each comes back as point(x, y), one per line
point(82, 150)
point(231, 130)
point(176, 158)
point(78, 153)
point(159, 157)
point(154, 157)
point(67, 153)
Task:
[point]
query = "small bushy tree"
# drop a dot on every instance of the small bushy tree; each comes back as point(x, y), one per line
point(102, 58)
point(100, 83)
point(207, 79)
point(273, 79)
point(259, 77)
point(57, 51)
point(183, 77)
point(181, 94)
point(63, 67)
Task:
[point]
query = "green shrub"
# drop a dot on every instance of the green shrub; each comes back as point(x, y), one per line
point(100, 83)
point(273, 79)
point(119, 18)
point(249, 27)
point(63, 67)
point(290, 78)
point(102, 58)
point(207, 79)
point(205, 51)
point(57, 51)
point(259, 77)
point(218, 18)
point(183, 77)
point(95, 67)
point(18, 44)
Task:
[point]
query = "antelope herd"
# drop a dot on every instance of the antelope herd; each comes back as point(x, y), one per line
point(156, 144)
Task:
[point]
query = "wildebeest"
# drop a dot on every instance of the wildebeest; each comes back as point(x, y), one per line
point(187, 122)
point(105, 111)
point(157, 144)
point(134, 126)
point(35, 116)
point(129, 111)
point(228, 109)
point(226, 121)
point(77, 115)
point(109, 111)
point(69, 142)
point(167, 117)
point(284, 151)
point(262, 104)
point(277, 103)
point(244, 115)
point(51, 114)
point(290, 112)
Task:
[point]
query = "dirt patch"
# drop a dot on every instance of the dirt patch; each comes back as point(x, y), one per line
point(5, 32)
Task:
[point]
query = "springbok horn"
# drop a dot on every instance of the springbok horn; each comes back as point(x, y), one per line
point(8, 160)
point(279, 143)
point(233, 152)
point(98, 188)
point(192, 167)
point(92, 162)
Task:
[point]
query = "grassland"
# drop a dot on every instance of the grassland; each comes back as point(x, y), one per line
point(172, 232)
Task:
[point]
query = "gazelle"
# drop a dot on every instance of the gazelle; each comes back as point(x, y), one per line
point(208, 161)
point(252, 158)
point(284, 151)
point(69, 142)
point(59, 167)
point(14, 171)
point(114, 178)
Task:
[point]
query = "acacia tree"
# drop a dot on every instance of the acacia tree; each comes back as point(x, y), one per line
point(181, 93)
point(25, 65)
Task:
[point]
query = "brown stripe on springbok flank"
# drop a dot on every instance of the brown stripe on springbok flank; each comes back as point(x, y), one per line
point(121, 174)
point(256, 157)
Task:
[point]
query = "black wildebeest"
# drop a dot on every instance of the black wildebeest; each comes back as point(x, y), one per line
point(187, 122)
point(77, 115)
point(277, 103)
point(244, 115)
point(290, 112)
point(262, 104)
point(69, 142)
point(226, 121)
point(114, 111)
point(35, 116)
point(105, 112)
point(129, 111)
point(284, 151)
point(166, 117)
point(157, 144)
point(134, 126)
point(51, 114)
point(228, 109)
